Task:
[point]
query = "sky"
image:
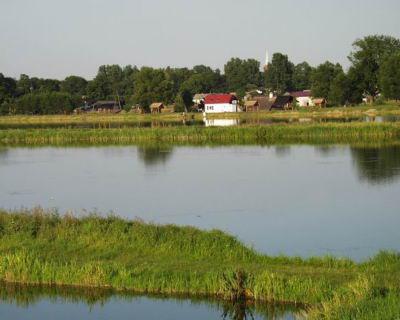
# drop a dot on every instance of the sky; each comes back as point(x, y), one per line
point(57, 38)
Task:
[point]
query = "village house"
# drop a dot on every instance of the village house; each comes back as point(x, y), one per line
point(251, 105)
point(303, 98)
point(319, 102)
point(156, 107)
point(283, 103)
point(220, 103)
point(264, 103)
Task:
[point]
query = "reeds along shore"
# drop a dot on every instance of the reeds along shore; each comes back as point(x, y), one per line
point(291, 133)
point(39, 247)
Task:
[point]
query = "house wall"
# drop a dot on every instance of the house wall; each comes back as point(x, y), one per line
point(220, 108)
point(305, 102)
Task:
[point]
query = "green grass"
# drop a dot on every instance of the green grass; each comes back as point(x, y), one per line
point(39, 247)
point(293, 133)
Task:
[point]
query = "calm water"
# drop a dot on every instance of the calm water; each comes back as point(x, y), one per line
point(295, 200)
point(41, 303)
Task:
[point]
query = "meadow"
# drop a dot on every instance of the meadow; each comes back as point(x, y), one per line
point(46, 248)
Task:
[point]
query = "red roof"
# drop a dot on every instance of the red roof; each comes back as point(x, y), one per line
point(301, 94)
point(219, 98)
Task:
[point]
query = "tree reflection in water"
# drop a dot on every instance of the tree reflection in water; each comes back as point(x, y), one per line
point(380, 165)
point(153, 155)
point(25, 296)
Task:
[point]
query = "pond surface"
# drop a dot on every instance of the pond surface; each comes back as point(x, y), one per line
point(25, 303)
point(292, 200)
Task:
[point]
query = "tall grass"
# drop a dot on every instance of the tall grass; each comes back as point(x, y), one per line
point(296, 133)
point(41, 247)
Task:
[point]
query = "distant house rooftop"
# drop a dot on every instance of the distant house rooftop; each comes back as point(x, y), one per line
point(301, 94)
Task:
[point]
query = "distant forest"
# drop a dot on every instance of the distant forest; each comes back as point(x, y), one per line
point(374, 72)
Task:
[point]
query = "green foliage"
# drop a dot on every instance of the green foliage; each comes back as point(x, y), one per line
point(242, 74)
point(389, 76)
point(367, 57)
point(302, 76)
point(74, 85)
point(278, 78)
point(323, 77)
point(45, 103)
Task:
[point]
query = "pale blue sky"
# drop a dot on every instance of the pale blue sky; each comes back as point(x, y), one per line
point(56, 38)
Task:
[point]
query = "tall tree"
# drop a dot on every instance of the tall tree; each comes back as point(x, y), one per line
point(242, 74)
point(322, 78)
point(74, 85)
point(108, 83)
point(152, 85)
point(367, 56)
point(278, 78)
point(389, 77)
point(8, 88)
point(302, 76)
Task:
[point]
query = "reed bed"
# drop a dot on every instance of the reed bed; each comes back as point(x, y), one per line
point(46, 248)
point(294, 133)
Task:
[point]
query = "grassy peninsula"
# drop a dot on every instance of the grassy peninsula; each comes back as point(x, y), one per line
point(40, 247)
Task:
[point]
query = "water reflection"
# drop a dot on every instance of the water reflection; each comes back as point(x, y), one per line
point(154, 155)
point(30, 301)
point(377, 165)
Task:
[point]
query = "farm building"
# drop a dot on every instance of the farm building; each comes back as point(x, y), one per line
point(219, 103)
point(156, 107)
point(303, 98)
point(103, 105)
point(319, 102)
point(198, 98)
point(282, 103)
point(251, 105)
point(264, 102)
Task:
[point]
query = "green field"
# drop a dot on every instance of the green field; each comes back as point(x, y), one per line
point(39, 247)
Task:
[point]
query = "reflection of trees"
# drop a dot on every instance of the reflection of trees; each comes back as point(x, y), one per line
point(282, 151)
point(26, 296)
point(154, 154)
point(377, 165)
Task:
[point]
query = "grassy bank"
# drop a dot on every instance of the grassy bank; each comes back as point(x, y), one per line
point(295, 133)
point(39, 247)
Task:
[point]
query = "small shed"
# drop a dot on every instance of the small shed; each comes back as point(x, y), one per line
point(105, 105)
point(282, 103)
point(320, 102)
point(156, 107)
point(251, 106)
point(264, 102)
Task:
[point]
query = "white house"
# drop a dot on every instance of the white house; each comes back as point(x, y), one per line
point(303, 98)
point(219, 103)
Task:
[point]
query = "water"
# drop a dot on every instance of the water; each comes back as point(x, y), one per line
point(25, 303)
point(293, 200)
point(191, 122)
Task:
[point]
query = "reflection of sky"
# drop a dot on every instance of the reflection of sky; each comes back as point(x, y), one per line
point(301, 200)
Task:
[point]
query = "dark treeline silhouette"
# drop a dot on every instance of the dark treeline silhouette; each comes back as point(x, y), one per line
point(374, 72)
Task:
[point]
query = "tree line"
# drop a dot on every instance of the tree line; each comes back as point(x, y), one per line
point(374, 71)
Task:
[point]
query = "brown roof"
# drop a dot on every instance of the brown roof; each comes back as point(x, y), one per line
point(319, 100)
point(251, 103)
point(156, 105)
point(264, 102)
point(199, 96)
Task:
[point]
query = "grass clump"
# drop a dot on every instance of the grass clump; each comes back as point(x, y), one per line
point(45, 248)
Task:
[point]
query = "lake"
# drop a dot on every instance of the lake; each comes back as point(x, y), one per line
point(25, 303)
point(293, 200)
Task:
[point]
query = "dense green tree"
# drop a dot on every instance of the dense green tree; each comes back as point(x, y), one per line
point(152, 85)
point(183, 101)
point(339, 91)
point(24, 85)
point(278, 78)
point(204, 80)
point(389, 77)
point(108, 83)
point(367, 56)
point(45, 103)
point(302, 76)
point(74, 85)
point(8, 88)
point(322, 78)
point(242, 74)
